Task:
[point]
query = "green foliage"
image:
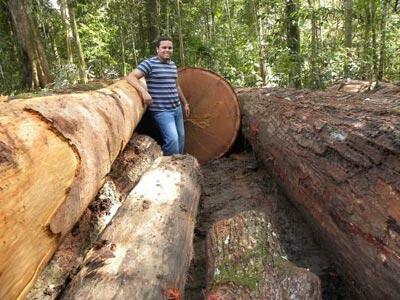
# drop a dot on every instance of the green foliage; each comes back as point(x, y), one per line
point(226, 36)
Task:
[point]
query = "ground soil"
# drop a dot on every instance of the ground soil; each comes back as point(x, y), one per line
point(239, 183)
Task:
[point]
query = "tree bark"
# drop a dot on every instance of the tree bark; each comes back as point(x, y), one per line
point(293, 42)
point(67, 29)
point(245, 261)
point(75, 33)
point(126, 171)
point(55, 154)
point(372, 7)
point(259, 30)
point(180, 34)
point(348, 35)
point(148, 248)
point(337, 156)
point(30, 42)
point(315, 70)
point(382, 50)
point(152, 23)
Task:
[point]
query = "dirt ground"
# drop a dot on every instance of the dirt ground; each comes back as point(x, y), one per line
point(239, 183)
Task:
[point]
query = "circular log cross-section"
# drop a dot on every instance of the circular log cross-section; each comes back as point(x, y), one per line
point(214, 119)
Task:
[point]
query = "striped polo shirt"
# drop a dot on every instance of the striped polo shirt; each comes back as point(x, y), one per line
point(161, 83)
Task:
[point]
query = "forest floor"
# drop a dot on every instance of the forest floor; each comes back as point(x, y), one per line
point(239, 183)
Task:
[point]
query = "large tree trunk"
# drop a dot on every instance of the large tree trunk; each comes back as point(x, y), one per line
point(81, 57)
point(348, 35)
point(54, 155)
point(337, 156)
point(126, 171)
point(30, 42)
point(180, 34)
point(293, 42)
point(148, 247)
point(245, 261)
point(152, 24)
point(67, 29)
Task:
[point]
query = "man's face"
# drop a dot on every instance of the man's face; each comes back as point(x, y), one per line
point(164, 51)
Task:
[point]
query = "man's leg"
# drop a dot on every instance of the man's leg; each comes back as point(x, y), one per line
point(165, 121)
point(180, 128)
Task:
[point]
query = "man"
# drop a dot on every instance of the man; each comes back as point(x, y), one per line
point(164, 96)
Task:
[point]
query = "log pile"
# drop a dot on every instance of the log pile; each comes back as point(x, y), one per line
point(137, 157)
point(245, 261)
point(337, 155)
point(145, 253)
point(55, 153)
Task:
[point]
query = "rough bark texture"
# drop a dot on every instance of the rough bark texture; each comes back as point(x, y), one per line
point(126, 171)
point(366, 87)
point(337, 156)
point(148, 248)
point(245, 261)
point(55, 153)
point(30, 41)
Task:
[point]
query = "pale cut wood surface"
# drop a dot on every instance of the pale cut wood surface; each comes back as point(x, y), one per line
point(55, 154)
point(148, 248)
point(137, 157)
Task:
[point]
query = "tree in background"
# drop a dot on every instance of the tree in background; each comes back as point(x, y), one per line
point(249, 42)
point(293, 43)
point(36, 66)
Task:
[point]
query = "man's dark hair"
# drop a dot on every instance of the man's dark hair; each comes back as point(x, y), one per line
point(162, 38)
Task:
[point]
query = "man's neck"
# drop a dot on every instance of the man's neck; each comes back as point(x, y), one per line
point(164, 60)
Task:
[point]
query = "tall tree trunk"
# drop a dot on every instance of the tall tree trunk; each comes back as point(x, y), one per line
point(181, 49)
point(293, 42)
point(54, 45)
point(30, 41)
point(372, 8)
point(207, 29)
point(167, 19)
point(259, 30)
point(213, 11)
point(315, 72)
point(366, 55)
point(122, 40)
point(74, 27)
point(67, 29)
point(381, 69)
point(152, 22)
point(348, 35)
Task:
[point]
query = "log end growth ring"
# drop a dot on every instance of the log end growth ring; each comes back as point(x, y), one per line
point(214, 120)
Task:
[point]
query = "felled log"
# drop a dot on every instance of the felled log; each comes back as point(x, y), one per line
point(338, 157)
point(147, 249)
point(54, 155)
point(137, 157)
point(245, 261)
point(360, 86)
point(214, 119)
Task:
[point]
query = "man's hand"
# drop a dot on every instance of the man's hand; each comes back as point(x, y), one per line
point(186, 108)
point(147, 100)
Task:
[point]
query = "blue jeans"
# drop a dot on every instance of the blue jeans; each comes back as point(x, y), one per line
point(170, 124)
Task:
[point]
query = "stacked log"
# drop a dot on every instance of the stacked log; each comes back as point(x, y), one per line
point(245, 261)
point(146, 251)
point(337, 156)
point(137, 157)
point(55, 153)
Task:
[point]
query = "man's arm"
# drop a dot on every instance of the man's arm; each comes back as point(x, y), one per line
point(184, 102)
point(133, 79)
